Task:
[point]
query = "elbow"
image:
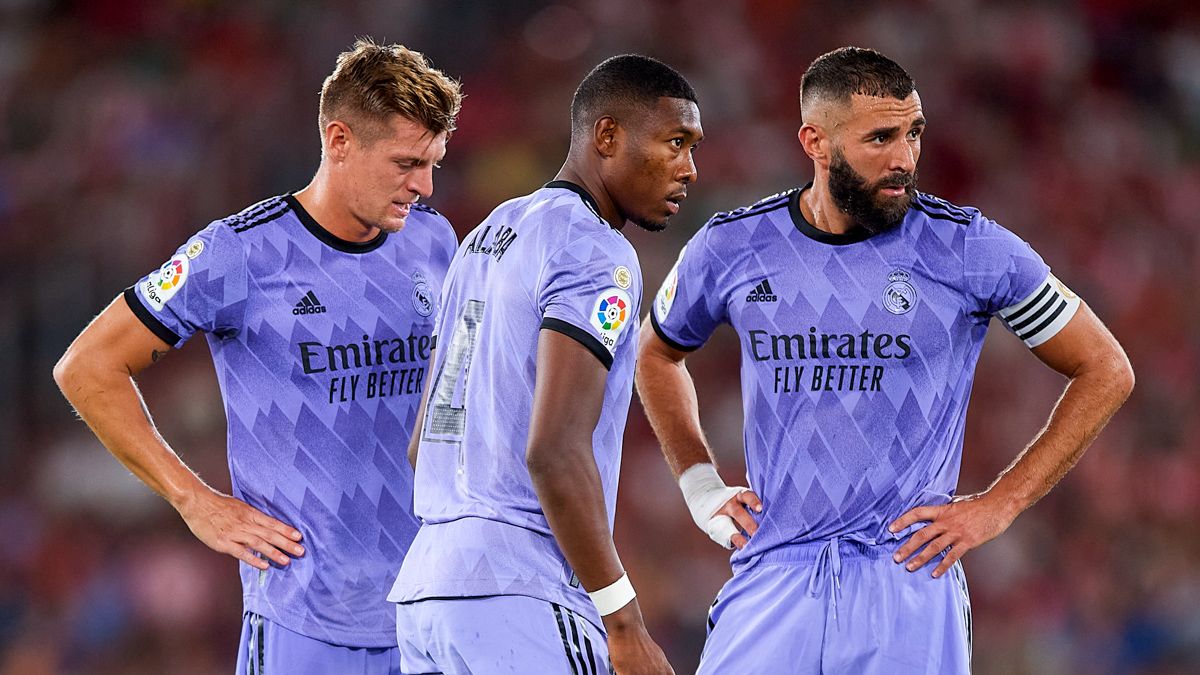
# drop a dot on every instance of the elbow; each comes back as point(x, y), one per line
point(65, 372)
point(1114, 373)
point(1123, 378)
point(548, 462)
point(539, 462)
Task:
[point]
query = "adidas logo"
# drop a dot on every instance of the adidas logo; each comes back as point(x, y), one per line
point(309, 304)
point(762, 293)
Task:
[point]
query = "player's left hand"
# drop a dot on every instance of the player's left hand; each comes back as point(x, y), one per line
point(963, 524)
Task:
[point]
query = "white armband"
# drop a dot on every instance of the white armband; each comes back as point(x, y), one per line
point(1043, 313)
point(613, 596)
point(705, 494)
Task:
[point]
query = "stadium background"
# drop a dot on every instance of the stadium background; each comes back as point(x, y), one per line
point(128, 125)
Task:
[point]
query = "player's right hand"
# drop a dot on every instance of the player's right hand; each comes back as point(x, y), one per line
point(732, 525)
point(723, 512)
point(631, 651)
point(231, 526)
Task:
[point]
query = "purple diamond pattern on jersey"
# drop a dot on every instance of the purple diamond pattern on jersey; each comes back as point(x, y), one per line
point(544, 257)
point(321, 354)
point(856, 374)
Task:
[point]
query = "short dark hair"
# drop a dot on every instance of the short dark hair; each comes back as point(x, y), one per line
point(844, 72)
point(625, 80)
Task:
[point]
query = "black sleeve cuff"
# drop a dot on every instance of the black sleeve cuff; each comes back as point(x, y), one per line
point(139, 310)
point(582, 337)
point(662, 335)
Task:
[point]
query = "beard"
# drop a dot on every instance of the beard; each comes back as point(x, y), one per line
point(649, 225)
point(863, 202)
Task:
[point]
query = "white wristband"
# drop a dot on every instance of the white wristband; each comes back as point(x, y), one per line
point(705, 493)
point(613, 596)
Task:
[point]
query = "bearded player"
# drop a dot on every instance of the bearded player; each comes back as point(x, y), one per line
point(861, 305)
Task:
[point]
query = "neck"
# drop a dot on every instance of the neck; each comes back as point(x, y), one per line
point(591, 181)
point(328, 207)
point(816, 204)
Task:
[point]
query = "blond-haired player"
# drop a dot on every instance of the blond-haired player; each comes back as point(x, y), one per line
point(318, 308)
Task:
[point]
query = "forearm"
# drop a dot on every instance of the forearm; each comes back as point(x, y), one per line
point(668, 395)
point(414, 441)
point(569, 490)
point(1085, 407)
point(109, 402)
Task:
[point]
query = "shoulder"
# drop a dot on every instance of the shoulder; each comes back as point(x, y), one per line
point(254, 216)
point(775, 202)
point(430, 217)
point(438, 226)
point(935, 208)
point(568, 223)
point(716, 227)
point(727, 229)
point(226, 237)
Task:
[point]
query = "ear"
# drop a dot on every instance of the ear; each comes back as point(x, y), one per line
point(604, 136)
point(337, 140)
point(816, 143)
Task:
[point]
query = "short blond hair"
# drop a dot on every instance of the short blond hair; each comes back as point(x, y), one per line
point(371, 82)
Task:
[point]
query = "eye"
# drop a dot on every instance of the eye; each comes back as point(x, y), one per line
point(879, 138)
point(677, 142)
point(915, 134)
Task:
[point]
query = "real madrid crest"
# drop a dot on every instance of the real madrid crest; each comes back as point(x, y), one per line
point(899, 296)
point(422, 295)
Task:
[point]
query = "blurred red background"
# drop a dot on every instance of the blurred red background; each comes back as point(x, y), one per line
point(126, 126)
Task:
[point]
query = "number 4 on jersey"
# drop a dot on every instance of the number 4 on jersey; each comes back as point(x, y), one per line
point(447, 417)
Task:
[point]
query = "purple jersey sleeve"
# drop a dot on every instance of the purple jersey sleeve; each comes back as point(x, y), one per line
point(591, 294)
point(203, 287)
point(1007, 278)
point(690, 305)
point(1001, 268)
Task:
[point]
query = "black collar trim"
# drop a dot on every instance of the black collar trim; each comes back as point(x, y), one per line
point(583, 194)
point(327, 237)
point(812, 232)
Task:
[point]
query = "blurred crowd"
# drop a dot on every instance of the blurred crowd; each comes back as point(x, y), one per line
point(126, 125)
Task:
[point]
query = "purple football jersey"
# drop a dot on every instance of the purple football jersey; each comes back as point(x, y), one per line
point(321, 348)
point(543, 261)
point(858, 353)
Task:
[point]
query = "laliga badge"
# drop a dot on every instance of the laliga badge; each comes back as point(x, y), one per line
point(164, 283)
point(610, 315)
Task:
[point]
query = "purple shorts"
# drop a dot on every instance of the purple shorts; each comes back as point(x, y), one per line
point(266, 648)
point(829, 608)
point(498, 634)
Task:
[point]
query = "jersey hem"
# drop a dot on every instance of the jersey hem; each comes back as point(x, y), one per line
point(337, 636)
point(467, 589)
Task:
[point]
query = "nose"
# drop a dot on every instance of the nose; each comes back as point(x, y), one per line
point(421, 182)
point(905, 158)
point(688, 173)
